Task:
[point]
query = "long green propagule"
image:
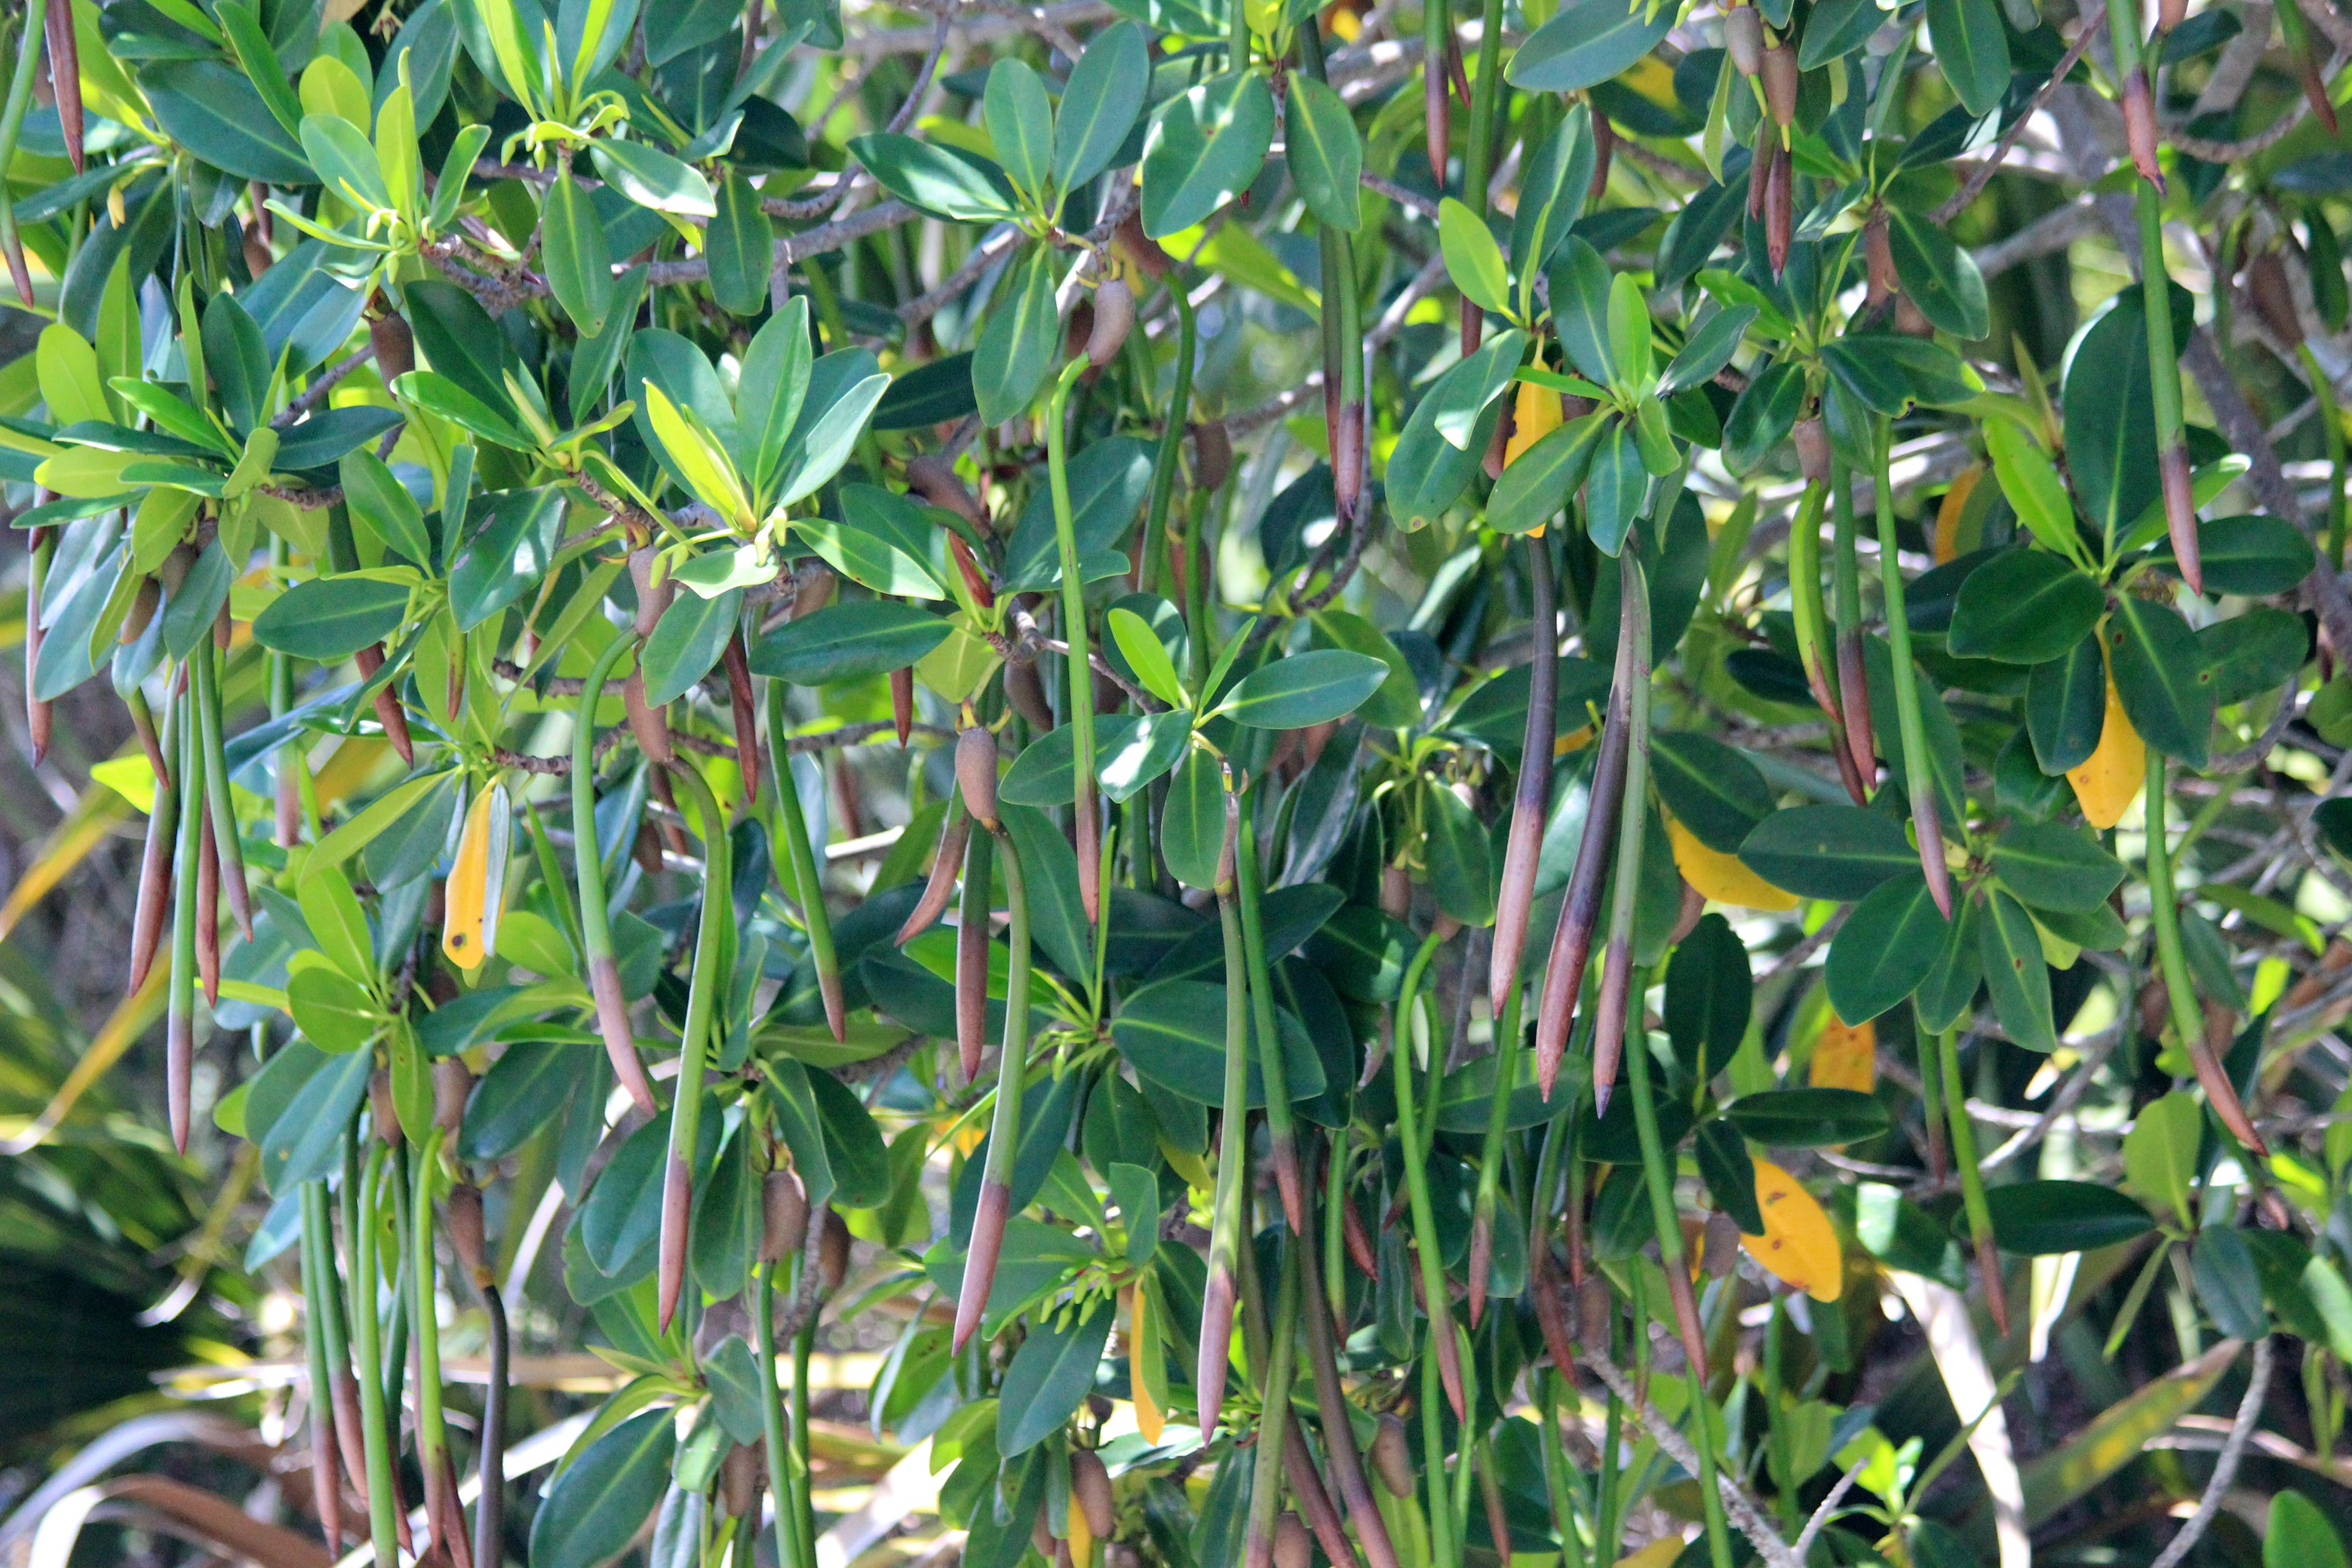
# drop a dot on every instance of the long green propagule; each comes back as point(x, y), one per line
point(2172, 963)
point(800, 853)
point(714, 962)
point(1918, 770)
point(976, 776)
point(588, 861)
point(1282, 1134)
point(1227, 1222)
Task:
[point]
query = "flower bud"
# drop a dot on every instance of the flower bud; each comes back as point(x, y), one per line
point(1090, 1489)
point(461, 1212)
point(833, 1251)
point(381, 1111)
point(1780, 73)
point(1813, 448)
point(1212, 453)
point(1392, 1457)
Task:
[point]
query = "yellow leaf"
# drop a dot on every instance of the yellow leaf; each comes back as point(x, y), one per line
point(1657, 1554)
point(1798, 1244)
point(1574, 740)
point(1722, 878)
point(1947, 516)
point(1845, 1057)
point(2108, 781)
point(1534, 415)
point(461, 929)
point(131, 776)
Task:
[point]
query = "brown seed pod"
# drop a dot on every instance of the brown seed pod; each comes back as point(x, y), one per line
point(2170, 14)
point(453, 1084)
point(650, 725)
point(940, 887)
point(1780, 73)
point(833, 1251)
point(1594, 1312)
point(1722, 1245)
point(902, 702)
point(389, 714)
point(1910, 320)
point(1119, 1554)
point(1391, 1456)
point(144, 598)
point(988, 1219)
point(2139, 127)
point(462, 1213)
point(257, 251)
point(653, 598)
point(380, 1110)
point(1134, 245)
point(1779, 211)
point(743, 711)
point(1293, 1547)
point(1813, 449)
point(154, 887)
point(933, 478)
point(2273, 296)
point(1213, 454)
point(65, 77)
point(975, 765)
point(1759, 172)
point(1114, 318)
point(812, 586)
point(784, 1216)
point(2180, 514)
point(1396, 892)
point(1090, 1489)
point(1041, 1534)
point(1026, 691)
point(1743, 39)
point(208, 890)
point(1880, 255)
point(739, 1480)
point(394, 344)
point(1604, 155)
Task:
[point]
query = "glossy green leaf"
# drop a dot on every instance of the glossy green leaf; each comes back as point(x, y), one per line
point(1808, 1118)
point(740, 245)
point(1586, 43)
point(2050, 866)
point(1473, 259)
point(1018, 344)
point(1108, 89)
point(578, 264)
point(1972, 49)
point(1939, 276)
point(846, 641)
point(1710, 996)
point(2024, 607)
point(1324, 154)
point(942, 181)
point(2162, 678)
point(2015, 973)
point(1827, 851)
point(1712, 789)
point(329, 619)
point(1886, 948)
point(604, 1497)
point(2039, 1219)
point(1204, 148)
point(2066, 706)
point(1049, 1377)
point(1303, 689)
point(1020, 120)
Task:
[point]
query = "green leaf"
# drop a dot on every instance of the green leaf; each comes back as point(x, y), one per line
point(2066, 706)
point(1937, 275)
point(1708, 349)
point(1729, 1172)
point(1552, 190)
point(769, 391)
point(531, 1082)
point(1205, 147)
point(2016, 974)
point(1883, 952)
point(1587, 44)
point(1712, 789)
point(2254, 556)
point(1582, 284)
point(686, 643)
point(2029, 481)
point(346, 162)
point(578, 264)
point(2162, 678)
point(2110, 419)
point(1108, 480)
point(1019, 343)
point(511, 550)
point(842, 388)
point(1536, 487)
point(2041, 1218)
point(2054, 867)
point(944, 182)
point(1710, 996)
point(1326, 154)
point(214, 112)
point(1396, 704)
point(1049, 1378)
point(597, 1504)
point(1442, 444)
point(329, 618)
point(1808, 1118)
point(1972, 48)
point(460, 342)
point(853, 1143)
point(1827, 851)
point(1140, 747)
point(652, 178)
point(1461, 868)
point(1766, 411)
point(1173, 1032)
point(879, 542)
point(845, 642)
point(2160, 1152)
point(1146, 655)
point(1473, 259)
point(698, 456)
point(1193, 824)
point(2024, 607)
point(306, 1140)
point(1108, 88)
point(2120, 1434)
point(1629, 331)
point(1950, 992)
point(741, 247)
point(1835, 29)
point(1019, 121)
point(2296, 1534)
point(1303, 689)
point(250, 48)
point(332, 1011)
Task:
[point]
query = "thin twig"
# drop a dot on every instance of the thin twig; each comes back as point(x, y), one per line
point(1745, 1514)
point(2225, 1467)
point(1959, 200)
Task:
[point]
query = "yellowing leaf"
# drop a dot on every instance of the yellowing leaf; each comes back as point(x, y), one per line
point(1948, 514)
point(2108, 781)
point(131, 776)
point(1657, 1554)
point(700, 462)
point(1534, 415)
point(461, 929)
point(1845, 1057)
point(1798, 1244)
point(1722, 878)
